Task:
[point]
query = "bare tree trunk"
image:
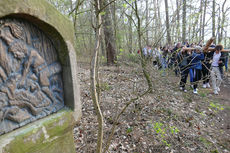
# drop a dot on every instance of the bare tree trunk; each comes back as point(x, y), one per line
point(93, 74)
point(110, 43)
point(201, 18)
point(195, 27)
point(102, 43)
point(222, 22)
point(178, 20)
point(167, 22)
point(143, 61)
point(130, 39)
point(114, 19)
point(218, 26)
point(214, 19)
point(147, 21)
point(203, 26)
point(184, 21)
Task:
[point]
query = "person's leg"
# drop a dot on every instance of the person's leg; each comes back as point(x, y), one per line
point(226, 64)
point(213, 77)
point(208, 75)
point(204, 73)
point(184, 75)
point(182, 82)
point(219, 79)
point(195, 79)
point(191, 75)
point(199, 75)
point(221, 72)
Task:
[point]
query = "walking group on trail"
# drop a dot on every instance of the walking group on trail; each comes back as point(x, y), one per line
point(192, 60)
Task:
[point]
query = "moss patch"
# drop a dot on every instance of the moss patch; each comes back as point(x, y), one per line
point(50, 135)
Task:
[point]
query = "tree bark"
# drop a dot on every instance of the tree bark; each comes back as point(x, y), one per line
point(147, 22)
point(184, 21)
point(130, 34)
point(93, 74)
point(110, 43)
point(143, 61)
point(201, 18)
point(204, 15)
point(214, 19)
point(178, 20)
point(167, 22)
point(222, 22)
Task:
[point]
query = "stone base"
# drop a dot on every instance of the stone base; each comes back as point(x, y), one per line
point(53, 134)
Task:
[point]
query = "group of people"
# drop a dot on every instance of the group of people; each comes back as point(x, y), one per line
point(199, 65)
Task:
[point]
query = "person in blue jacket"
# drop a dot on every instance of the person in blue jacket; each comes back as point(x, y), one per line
point(196, 66)
point(183, 59)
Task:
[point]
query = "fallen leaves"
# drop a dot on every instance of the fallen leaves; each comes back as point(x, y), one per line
point(196, 127)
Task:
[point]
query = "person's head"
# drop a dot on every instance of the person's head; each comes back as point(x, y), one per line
point(178, 45)
point(18, 49)
point(218, 48)
point(198, 49)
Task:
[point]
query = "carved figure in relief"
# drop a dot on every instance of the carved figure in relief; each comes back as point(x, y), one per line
point(20, 50)
point(27, 86)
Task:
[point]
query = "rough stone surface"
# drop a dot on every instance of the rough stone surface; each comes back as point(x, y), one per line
point(52, 134)
point(30, 78)
point(60, 30)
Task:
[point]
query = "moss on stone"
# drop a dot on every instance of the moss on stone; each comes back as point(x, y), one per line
point(52, 134)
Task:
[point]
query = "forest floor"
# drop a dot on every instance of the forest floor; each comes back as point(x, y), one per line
point(167, 120)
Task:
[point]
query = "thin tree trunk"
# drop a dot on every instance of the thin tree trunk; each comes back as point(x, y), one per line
point(102, 43)
point(147, 21)
point(143, 61)
point(222, 22)
point(110, 43)
point(93, 74)
point(203, 25)
point(218, 26)
point(184, 21)
point(214, 19)
point(201, 18)
point(167, 22)
point(130, 39)
point(178, 20)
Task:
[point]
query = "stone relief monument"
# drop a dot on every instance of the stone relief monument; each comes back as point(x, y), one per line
point(30, 75)
point(39, 90)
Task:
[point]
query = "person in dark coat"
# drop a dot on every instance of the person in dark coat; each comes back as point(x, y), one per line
point(196, 65)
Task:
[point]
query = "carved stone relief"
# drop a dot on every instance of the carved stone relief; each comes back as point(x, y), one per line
point(30, 75)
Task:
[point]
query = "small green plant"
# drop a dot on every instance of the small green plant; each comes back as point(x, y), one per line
point(174, 130)
point(133, 57)
point(103, 59)
point(205, 141)
point(105, 86)
point(129, 130)
point(163, 131)
point(202, 94)
point(216, 107)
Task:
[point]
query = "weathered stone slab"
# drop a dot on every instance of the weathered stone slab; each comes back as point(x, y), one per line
point(49, 135)
point(38, 78)
point(37, 63)
point(31, 84)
